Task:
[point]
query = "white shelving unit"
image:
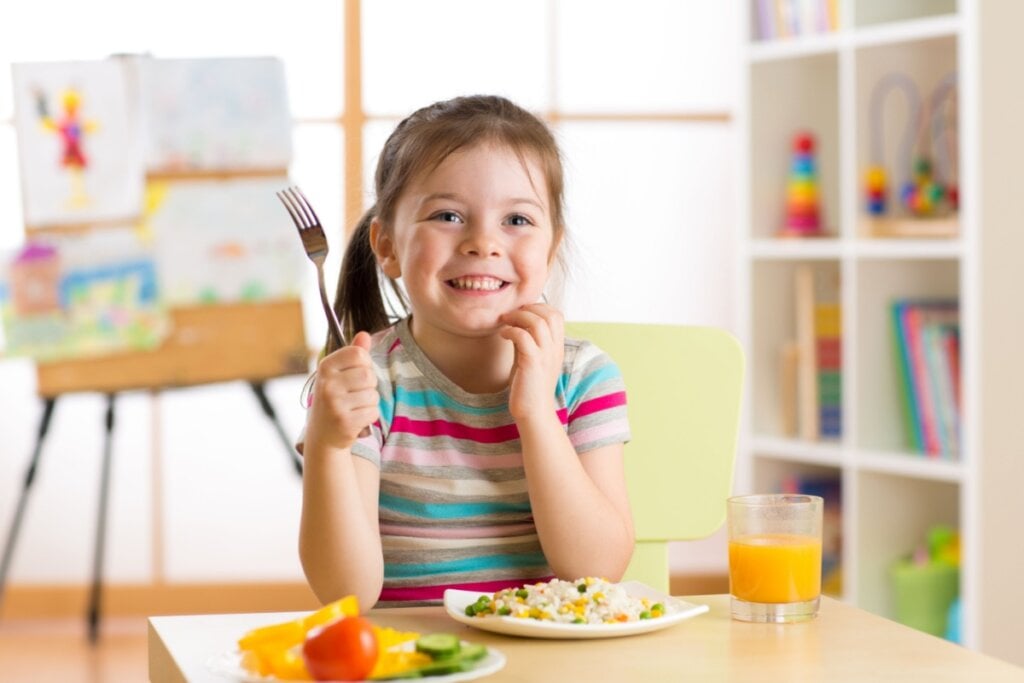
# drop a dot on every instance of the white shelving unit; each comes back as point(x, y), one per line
point(892, 495)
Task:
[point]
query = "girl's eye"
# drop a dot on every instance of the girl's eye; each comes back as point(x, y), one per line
point(518, 219)
point(447, 217)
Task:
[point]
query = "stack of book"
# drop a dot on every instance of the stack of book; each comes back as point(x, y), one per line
point(828, 340)
point(776, 19)
point(927, 335)
point(811, 365)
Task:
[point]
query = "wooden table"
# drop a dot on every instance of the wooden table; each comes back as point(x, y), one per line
point(843, 644)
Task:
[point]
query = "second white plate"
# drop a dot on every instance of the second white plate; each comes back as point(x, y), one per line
point(676, 610)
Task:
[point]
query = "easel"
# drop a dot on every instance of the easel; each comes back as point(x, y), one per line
point(251, 342)
point(208, 344)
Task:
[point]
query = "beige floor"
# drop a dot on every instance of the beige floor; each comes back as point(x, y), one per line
point(57, 651)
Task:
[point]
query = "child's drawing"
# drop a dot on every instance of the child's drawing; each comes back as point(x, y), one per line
point(71, 129)
point(222, 114)
point(78, 296)
point(79, 150)
point(225, 241)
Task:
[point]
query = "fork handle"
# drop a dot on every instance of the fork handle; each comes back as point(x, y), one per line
point(332, 319)
point(332, 322)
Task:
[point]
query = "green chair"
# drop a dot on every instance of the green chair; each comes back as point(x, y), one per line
point(684, 386)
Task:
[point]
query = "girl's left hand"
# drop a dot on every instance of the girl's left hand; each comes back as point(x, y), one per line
point(538, 335)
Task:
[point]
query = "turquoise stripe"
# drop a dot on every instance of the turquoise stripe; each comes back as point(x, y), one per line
point(468, 564)
point(562, 387)
point(430, 398)
point(387, 410)
point(448, 510)
point(604, 373)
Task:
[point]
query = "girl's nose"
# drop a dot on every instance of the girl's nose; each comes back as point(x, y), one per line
point(480, 240)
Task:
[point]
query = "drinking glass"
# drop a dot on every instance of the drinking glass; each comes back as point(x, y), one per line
point(774, 557)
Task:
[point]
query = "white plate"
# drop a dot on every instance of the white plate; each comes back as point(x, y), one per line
point(229, 665)
point(676, 610)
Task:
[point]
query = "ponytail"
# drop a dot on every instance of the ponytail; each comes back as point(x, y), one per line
point(359, 301)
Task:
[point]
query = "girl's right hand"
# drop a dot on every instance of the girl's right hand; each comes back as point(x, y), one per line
point(345, 398)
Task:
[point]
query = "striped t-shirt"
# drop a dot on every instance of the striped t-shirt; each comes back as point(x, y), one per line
point(454, 510)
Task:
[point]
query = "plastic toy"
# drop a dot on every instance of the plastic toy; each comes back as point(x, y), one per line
point(802, 211)
point(926, 189)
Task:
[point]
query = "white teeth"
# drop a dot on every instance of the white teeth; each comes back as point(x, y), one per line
point(477, 283)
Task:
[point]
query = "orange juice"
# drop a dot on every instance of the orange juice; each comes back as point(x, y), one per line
point(775, 568)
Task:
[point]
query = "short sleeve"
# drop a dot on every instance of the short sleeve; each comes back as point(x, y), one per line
point(595, 398)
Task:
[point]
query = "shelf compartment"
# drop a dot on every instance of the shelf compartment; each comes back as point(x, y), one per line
point(908, 464)
point(811, 103)
point(774, 328)
point(886, 14)
point(894, 515)
point(780, 476)
point(797, 47)
point(794, 248)
point(880, 411)
point(798, 450)
point(908, 249)
point(905, 103)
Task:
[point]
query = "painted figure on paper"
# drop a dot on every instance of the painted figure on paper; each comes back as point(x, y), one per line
point(72, 129)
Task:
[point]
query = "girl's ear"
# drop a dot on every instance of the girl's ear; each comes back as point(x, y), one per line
point(384, 249)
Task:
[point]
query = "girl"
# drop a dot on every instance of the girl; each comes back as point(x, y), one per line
point(495, 450)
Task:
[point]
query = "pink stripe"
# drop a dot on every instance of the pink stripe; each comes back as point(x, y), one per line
point(456, 430)
point(457, 532)
point(437, 592)
point(394, 345)
point(598, 432)
point(427, 458)
point(596, 405)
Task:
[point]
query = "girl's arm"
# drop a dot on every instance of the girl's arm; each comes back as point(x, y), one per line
point(579, 501)
point(580, 504)
point(339, 536)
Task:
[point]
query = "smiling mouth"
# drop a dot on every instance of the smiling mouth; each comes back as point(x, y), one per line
point(477, 284)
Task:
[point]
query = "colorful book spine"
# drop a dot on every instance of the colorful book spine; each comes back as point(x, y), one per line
point(775, 19)
point(927, 342)
point(829, 342)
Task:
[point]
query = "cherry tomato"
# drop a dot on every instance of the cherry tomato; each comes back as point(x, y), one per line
point(345, 650)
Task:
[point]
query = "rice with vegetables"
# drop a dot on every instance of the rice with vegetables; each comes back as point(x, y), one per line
point(583, 601)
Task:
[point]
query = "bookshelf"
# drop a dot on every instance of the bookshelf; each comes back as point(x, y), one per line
point(823, 81)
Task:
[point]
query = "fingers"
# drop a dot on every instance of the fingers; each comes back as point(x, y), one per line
point(543, 324)
point(363, 340)
point(345, 379)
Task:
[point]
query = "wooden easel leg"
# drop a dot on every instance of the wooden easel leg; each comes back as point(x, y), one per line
point(258, 388)
point(93, 616)
point(30, 475)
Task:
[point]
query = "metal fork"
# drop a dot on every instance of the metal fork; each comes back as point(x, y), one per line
point(315, 243)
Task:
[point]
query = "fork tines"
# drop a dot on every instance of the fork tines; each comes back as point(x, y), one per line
point(299, 208)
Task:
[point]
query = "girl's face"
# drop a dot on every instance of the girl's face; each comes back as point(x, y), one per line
point(471, 240)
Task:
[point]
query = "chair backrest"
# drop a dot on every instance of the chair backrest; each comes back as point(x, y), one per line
point(684, 388)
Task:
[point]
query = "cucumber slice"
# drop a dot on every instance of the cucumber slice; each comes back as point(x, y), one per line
point(438, 645)
point(472, 652)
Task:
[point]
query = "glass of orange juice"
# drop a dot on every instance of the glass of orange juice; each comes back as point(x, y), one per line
point(774, 557)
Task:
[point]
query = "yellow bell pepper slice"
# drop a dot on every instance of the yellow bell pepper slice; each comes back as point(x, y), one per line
point(347, 606)
point(287, 633)
point(292, 632)
point(272, 650)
